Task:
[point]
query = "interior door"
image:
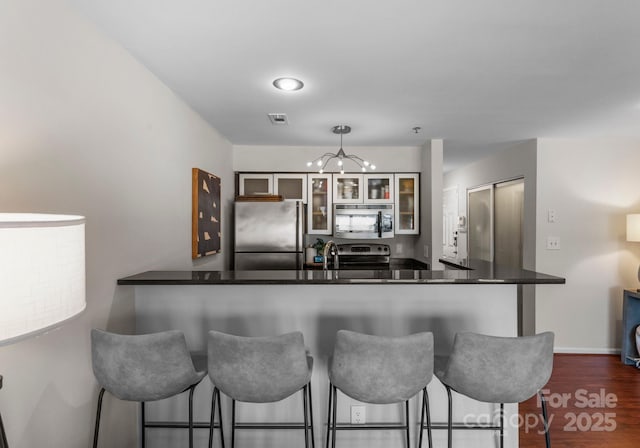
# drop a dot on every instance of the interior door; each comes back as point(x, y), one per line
point(480, 223)
point(509, 218)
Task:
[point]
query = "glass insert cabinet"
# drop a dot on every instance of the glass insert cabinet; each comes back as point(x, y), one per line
point(319, 204)
point(407, 198)
point(321, 191)
point(378, 188)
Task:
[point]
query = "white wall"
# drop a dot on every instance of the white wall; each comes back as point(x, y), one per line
point(592, 184)
point(517, 161)
point(510, 163)
point(295, 158)
point(86, 129)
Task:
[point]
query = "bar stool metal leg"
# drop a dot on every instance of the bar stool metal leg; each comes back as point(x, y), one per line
point(215, 397)
point(501, 425)
point(98, 412)
point(334, 411)
point(406, 416)
point(304, 412)
point(233, 423)
point(425, 410)
point(329, 409)
point(545, 419)
point(191, 416)
point(313, 442)
point(142, 425)
point(3, 436)
point(450, 420)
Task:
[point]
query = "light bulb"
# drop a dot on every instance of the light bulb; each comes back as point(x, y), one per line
point(319, 163)
point(342, 171)
point(320, 171)
point(309, 163)
point(339, 162)
point(373, 167)
point(366, 163)
point(364, 169)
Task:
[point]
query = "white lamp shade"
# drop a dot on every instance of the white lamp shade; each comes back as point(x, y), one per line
point(633, 227)
point(42, 272)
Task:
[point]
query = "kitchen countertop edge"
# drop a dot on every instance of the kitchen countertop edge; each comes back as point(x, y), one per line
point(489, 275)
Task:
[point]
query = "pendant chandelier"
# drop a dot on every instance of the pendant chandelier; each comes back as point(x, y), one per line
point(322, 161)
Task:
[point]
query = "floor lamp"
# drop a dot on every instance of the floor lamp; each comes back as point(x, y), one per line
point(42, 275)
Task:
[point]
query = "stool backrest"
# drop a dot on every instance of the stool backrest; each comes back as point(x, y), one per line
point(499, 369)
point(142, 367)
point(258, 369)
point(381, 370)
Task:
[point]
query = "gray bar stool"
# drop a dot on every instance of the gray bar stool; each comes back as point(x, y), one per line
point(144, 368)
point(260, 370)
point(495, 369)
point(380, 370)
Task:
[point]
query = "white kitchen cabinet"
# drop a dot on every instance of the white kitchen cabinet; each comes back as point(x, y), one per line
point(378, 188)
point(292, 186)
point(407, 200)
point(255, 183)
point(347, 188)
point(319, 204)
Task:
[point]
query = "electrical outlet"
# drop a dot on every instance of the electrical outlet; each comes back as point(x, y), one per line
point(358, 415)
point(551, 215)
point(399, 248)
point(553, 243)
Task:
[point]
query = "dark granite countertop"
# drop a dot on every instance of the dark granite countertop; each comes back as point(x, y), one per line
point(481, 273)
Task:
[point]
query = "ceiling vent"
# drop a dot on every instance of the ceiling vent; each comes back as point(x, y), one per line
point(278, 118)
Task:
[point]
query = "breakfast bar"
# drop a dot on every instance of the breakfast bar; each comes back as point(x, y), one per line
point(319, 303)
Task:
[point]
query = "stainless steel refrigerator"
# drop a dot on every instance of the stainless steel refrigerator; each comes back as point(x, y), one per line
point(268, 235)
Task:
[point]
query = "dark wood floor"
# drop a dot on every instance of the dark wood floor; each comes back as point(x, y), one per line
point(583, 413)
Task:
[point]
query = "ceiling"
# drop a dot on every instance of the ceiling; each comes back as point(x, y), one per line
point(477, 74)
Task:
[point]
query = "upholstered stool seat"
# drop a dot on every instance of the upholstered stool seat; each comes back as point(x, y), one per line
point(260, 370)
point(143, 368)
point(380, 370)
point(495, 369)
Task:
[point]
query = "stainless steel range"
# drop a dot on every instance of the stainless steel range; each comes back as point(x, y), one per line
point(364, 256)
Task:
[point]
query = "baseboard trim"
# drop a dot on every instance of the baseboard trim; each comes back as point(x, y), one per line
point(587, 350)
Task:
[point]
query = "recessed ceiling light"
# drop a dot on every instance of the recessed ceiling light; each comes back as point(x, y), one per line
point(288, 84)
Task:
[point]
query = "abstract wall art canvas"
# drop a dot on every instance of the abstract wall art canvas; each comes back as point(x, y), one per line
point(205, 222)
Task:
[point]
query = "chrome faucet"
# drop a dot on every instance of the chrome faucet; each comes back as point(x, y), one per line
point(330, 247)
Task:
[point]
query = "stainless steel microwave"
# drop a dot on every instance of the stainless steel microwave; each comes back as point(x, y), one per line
point(363, 221)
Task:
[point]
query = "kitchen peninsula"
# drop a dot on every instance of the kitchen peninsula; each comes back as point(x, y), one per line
point(319, 303)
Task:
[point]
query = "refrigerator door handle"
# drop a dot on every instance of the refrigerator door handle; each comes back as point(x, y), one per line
point(379, 224)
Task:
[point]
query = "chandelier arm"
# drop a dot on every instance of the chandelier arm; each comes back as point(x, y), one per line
point(325, 164)
point(356, 160)
point(354, 157)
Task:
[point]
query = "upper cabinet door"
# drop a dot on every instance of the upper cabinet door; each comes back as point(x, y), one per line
point(347, 188)
point(255, 183)
point(319, 204)
point(293, 187)
point(378, 188)
point(407, 200)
